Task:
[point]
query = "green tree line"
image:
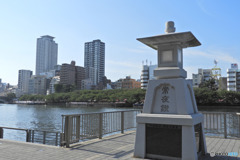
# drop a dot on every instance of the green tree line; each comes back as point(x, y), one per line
point(116, 95)
point(205, 96)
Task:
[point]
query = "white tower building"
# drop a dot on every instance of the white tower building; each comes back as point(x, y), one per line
point(233, 78)
point(47, 53)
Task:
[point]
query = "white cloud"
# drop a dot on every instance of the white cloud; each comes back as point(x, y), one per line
point(218, 55)
point(201, 6)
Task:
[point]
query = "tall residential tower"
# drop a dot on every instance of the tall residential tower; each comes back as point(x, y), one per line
point(94, 60)
point(47, 52)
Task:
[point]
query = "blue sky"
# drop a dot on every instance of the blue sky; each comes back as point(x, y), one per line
point(118, 23)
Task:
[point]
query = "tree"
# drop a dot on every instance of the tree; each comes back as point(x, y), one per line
point(63, 88)
point(210, 84)
point(11, 95)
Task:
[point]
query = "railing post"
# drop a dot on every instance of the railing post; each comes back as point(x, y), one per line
point(32, 136)
point(238, 124)
point(66, 131)
point(44, 137)
point(100, 125)
point(56, 143)
point(61, 139)
point(78, 127)
point(28, 135)
point(225, 125)
point(1, 132)
point(122, 121)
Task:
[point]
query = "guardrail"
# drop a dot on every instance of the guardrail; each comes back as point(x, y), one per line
point(79, 127)
point(37, 136)
point(222, 124)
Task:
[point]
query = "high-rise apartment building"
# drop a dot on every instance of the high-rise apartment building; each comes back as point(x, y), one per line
point(47, 52)
point(71, 74)
point(94, 60)
point(23, 79)
point(233, 78)
point(147, 74)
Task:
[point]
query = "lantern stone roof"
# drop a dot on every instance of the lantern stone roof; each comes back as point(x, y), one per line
point(185, 39)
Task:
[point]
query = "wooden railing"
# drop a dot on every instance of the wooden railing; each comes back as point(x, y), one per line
point(36, 136)
point(79, 127)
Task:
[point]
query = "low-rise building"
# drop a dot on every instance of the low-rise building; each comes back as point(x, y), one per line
point(128, 83)
point(202, 76)
point(87, 84)
point(37, 85)
point(23, 79)
point(55, 80)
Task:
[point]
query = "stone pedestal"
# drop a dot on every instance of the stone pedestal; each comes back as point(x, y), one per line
point(170, 126)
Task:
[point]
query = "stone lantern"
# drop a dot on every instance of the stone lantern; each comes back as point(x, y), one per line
point(170, 126)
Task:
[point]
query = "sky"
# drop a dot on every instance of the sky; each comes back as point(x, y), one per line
point(118, 23)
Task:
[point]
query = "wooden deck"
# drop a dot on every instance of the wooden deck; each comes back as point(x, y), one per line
point(119, 146)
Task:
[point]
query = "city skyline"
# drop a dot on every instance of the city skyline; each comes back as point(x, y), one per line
point(118, 24)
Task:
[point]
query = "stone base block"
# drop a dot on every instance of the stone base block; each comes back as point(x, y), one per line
point(167, 136)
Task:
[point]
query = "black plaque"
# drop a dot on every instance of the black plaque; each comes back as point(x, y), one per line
point(164, 140)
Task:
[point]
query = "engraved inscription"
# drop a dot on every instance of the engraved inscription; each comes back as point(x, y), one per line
point(164, 108)
point(165, 89)
point(165, 99)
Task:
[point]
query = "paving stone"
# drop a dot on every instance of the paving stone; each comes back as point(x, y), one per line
point(119, 146)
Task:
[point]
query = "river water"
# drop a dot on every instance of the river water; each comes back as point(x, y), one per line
point(40, 117)
point(48, 117)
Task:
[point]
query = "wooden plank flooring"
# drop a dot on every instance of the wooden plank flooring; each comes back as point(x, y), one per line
point(222, 146)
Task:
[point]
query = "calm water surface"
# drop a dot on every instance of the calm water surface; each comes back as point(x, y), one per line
point(41, 117)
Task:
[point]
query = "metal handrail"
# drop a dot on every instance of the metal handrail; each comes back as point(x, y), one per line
point(102, 112)
point(32, 137)
point(77, 127)
point(222, 124)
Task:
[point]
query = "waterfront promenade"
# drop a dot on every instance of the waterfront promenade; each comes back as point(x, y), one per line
point(119, 146)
